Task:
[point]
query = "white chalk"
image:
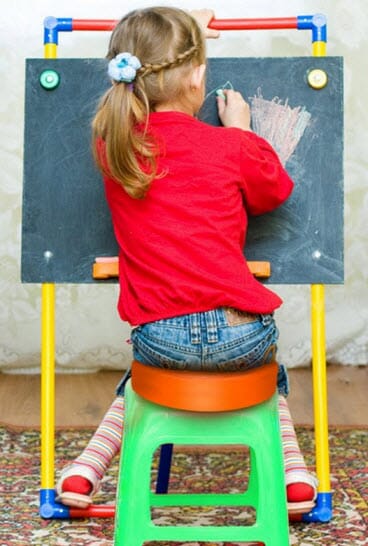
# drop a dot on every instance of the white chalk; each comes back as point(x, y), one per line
point(220, 93)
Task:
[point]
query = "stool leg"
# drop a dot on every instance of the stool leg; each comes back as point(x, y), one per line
point(132, 518)
point(163, 475)
point(134, 480)
point(270, 477)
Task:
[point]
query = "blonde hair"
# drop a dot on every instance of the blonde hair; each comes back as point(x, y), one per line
point(169, 43)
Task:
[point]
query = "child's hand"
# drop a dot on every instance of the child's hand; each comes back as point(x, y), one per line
point(233, 110)
point(203, 18)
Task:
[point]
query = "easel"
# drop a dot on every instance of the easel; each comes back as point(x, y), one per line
point(49, 508)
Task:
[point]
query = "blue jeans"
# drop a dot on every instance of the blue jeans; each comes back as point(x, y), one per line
point(219, 340)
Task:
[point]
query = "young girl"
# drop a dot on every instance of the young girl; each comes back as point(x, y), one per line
point(180, 192)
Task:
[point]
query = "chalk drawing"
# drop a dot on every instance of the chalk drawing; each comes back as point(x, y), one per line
point(281, 125)
point(226, 85)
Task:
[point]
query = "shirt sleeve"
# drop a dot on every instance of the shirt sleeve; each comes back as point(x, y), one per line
point(264, 181)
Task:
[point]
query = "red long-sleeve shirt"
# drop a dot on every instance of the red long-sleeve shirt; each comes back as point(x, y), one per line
point(181, 247)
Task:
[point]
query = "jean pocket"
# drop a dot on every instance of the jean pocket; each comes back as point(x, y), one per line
point(246, 346)
point(151, 348)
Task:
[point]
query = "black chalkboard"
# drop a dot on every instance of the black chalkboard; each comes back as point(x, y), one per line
point(66, 223)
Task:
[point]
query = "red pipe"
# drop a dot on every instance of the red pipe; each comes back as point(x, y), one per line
point(253, 24)
point(108, 511)
point(94, 510)
point(94, 24)
point(217, 24)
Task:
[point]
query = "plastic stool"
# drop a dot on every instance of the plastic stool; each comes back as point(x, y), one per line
point(234, 408)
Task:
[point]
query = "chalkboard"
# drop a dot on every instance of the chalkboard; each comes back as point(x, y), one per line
point(66, 222)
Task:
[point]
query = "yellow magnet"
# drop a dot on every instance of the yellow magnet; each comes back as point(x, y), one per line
point(317, 78)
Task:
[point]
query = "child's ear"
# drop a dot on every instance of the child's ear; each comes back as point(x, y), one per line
point(198, 76)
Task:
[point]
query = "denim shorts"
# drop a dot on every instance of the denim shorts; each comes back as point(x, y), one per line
point(208, 341)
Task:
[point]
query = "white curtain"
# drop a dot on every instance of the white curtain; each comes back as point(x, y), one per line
point(90, 335)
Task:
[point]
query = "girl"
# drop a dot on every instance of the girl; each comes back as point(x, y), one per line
point(180, 192)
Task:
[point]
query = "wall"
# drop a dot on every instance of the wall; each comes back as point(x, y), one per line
point(90, 335)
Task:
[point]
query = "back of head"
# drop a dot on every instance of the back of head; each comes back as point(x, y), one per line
point(168, 43)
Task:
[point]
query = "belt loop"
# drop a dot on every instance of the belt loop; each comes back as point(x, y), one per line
point(194, 328)
point(266, 319)
point(211, 326)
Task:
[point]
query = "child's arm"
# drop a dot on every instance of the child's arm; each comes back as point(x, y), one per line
point(265, 182)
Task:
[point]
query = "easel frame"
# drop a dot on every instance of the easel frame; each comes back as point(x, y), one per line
point(49, 508)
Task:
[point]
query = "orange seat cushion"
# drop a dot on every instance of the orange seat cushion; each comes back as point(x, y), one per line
point(204, 391)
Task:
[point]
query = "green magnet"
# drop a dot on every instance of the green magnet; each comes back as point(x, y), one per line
point(49, 79)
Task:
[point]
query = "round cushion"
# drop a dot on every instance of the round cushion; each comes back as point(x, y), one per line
point(204, 391)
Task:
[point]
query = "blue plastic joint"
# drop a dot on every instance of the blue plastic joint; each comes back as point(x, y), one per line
point(52, 26)
point(49, 508)
point(316, 23)
point(322, 512)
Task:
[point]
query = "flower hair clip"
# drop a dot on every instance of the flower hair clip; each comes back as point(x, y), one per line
point(123, 68)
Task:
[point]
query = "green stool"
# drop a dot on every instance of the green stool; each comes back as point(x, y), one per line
point(150, 424)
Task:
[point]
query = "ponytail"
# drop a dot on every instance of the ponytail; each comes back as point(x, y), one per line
point(121, 123)
point(166, 44)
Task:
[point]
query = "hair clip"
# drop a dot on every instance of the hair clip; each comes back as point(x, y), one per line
point(123, 68)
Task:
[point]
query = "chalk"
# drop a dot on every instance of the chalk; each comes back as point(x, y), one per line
point(106, 259)
point(220, 93)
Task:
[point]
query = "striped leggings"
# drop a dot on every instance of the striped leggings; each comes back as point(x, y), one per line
point(106, 442)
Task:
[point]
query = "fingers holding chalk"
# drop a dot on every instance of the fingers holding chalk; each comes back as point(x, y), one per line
point(220, 93)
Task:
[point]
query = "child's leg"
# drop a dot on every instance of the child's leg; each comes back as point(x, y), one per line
point(81, 479)
point(301, 485)
point(106, 441)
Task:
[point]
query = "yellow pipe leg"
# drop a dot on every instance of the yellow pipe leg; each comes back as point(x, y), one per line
point(50, 51)
point(319, 49)
point(47, 386)
point(48, 365)
point(320, 388)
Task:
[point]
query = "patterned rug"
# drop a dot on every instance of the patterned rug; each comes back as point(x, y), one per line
point(192, 470)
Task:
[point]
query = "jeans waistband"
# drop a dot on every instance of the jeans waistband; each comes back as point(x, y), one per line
point(208, 322)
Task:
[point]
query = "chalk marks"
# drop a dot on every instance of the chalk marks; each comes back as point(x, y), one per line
point(281, 125)
point(226, 85)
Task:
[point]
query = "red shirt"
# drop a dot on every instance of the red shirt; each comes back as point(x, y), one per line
point(181, 247)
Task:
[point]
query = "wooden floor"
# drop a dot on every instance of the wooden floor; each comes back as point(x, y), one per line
point(81, 400)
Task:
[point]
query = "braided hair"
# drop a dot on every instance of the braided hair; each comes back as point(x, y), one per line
point(168, 43)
